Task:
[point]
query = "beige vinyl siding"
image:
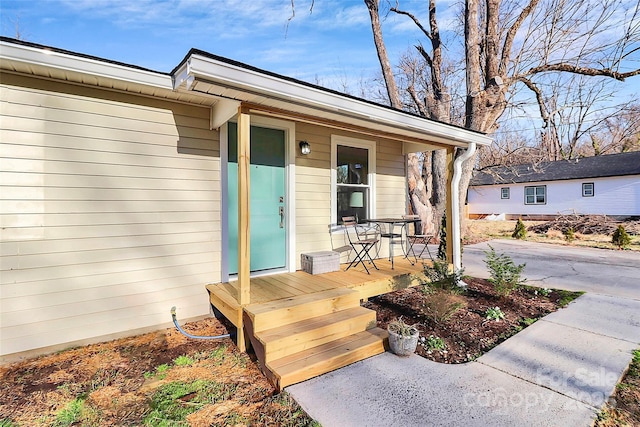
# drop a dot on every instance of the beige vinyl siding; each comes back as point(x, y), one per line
point(313, 190)
point(391, 200)
point(313, 185)
point(110, 213)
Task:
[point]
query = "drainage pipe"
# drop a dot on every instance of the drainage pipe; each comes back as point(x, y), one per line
point(197, 337)
point(455, 202)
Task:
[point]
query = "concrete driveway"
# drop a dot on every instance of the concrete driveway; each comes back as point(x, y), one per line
point(558, 372)
point(600, 271)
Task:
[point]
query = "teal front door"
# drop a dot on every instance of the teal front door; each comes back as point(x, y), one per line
point(267, 218)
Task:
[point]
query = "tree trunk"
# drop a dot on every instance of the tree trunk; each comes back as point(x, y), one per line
point(387, 72)
point(418, 191)
point(438, 186)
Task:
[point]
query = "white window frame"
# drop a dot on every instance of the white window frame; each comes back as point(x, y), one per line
point(535, 194)
point(591, 193)
point(503, 192)
point(370, 146)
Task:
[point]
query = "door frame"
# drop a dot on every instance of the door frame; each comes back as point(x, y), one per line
point(289, 129)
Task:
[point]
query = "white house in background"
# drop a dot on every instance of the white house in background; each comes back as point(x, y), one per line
point(602, 185)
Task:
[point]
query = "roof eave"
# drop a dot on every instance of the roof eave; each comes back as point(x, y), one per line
point(43, 57)
point(198, 67)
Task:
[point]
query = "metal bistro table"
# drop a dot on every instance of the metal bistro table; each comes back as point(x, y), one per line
point(393, 237)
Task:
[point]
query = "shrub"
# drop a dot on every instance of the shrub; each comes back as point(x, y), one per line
point(442, 304)
point(441, 277)
point(570, 235)
point(620, 238)
point(505, 275)
point(520, 231)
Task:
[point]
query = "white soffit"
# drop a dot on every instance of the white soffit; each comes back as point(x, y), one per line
point(208, 75)
point(37, 57)
point(67, 66)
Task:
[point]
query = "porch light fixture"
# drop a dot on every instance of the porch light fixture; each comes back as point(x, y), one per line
point(305, 148)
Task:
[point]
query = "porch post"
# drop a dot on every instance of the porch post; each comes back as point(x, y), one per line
point(244, 183)
point(244, 242)
point(449, 204)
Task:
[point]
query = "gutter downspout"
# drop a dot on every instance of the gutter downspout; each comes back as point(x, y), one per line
point(455, 205)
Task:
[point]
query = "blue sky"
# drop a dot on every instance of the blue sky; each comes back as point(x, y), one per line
point(331, 46)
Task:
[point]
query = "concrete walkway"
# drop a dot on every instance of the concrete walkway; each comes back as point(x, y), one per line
point(557, 372)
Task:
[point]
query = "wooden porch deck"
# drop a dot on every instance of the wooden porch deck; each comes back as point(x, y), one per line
point(302, 325)
point(264, 289)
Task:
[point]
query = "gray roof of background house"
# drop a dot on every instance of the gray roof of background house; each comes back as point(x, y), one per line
point(587, 167)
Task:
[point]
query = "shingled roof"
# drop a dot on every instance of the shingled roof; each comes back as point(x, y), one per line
point(587, 167)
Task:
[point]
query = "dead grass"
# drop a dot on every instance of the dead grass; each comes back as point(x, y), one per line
point(482, 230)
point(624, 408)
point(116, 383)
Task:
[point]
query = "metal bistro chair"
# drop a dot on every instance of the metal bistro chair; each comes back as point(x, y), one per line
point(360, 245)
point(339, 242)
point(416, 236)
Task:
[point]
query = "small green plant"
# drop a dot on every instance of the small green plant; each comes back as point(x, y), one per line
point(570, 235)
point(545, 292)
point(160, 372)
point(520, 232)
point(506, 276)
point(183, 361)
point(494, 313)
point(441, 277)
point(433, 343)
point(565, 297)
point(70, 414)
point(398, 326)
point(528, 321)
point(172, 402)
point(620, 238)
point(219, 354)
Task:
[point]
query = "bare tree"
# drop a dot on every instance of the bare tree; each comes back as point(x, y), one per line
point(619, 133)
point(507, 43)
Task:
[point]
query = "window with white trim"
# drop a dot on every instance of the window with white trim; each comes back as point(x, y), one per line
point(588, 189)
point(353, 168)
point(504, 193)
point(535, 195)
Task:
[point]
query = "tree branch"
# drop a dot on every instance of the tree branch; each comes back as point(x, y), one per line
point(416, 101)
point(425, 55)
point(586, 71)
point(415, 21)
point(511, 35)
point(539, 97)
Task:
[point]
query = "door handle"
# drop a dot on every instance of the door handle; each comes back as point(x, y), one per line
point(281, 211)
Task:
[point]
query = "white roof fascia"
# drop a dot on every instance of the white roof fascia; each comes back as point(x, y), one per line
point(82, 65)
point(272, 86)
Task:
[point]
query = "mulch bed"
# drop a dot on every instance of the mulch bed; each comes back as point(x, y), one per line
point(467, 333)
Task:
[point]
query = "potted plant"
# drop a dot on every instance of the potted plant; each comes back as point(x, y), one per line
point(403, 338)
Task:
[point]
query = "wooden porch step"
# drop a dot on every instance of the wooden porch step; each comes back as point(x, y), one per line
point(299, 336)
point(325, 358)
point(290, 310)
